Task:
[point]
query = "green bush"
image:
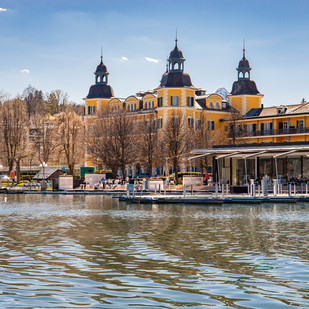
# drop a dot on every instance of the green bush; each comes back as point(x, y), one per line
point(102, 171)
point(158, 178)
point(186, 174)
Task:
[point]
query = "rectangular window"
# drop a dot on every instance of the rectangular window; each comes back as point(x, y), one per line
point(300, 124)
point(91, 110)
point(267, 128)
point(211, 125)
point(160, 123)
point(174, 100)
point(190, 101)
point(190, 122)
point(197, 123)
point(160, 102)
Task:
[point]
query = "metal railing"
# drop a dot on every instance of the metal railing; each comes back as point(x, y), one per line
point(246, 133)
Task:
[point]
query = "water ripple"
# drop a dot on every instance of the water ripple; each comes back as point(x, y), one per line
point(92, 252)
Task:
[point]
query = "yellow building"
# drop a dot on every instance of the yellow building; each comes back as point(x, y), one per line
point(175, 92)
point(244, 95)
point(275, 124)
point(258, 124)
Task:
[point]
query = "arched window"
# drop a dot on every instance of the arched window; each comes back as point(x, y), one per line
point(135, 106)
point(211, 105)
point(217, 105)
point(152, 104)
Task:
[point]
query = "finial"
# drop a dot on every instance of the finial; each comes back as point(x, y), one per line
point(176, 40)
point(101, 53)
point(244, 50)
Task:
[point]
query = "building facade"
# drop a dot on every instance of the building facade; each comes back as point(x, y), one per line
point(175, 92)
point(241, 113)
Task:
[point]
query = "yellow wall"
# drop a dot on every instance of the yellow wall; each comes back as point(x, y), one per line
point(244, 103)
point(277, 136)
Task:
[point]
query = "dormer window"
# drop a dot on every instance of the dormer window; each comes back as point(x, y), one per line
point(223, 104)
point(281, 110)
point(217, 105)
point(211, 105)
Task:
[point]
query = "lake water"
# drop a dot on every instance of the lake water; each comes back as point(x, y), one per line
point(62, 251)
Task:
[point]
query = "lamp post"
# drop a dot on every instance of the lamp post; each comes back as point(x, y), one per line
point(43, 186)
point(30, 161)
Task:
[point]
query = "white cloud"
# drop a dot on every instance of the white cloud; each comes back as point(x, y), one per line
point(152, 60)
point(124, 58)
point(3, 10)
point(25, 71)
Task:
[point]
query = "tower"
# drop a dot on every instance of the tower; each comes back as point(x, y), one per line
point(244, 95)
point(174, 75)
point(100, 93)
point(175, 87)
point(101, 89)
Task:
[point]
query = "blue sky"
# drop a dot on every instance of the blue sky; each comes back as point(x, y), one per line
point(55, 44)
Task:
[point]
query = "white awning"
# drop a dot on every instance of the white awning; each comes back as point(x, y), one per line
point(244, 152)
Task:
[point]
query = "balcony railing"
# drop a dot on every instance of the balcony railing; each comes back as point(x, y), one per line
point(246, 133)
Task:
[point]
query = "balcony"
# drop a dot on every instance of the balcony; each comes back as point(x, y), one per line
point(288, 131)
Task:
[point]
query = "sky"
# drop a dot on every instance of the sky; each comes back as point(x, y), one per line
point(56, 44)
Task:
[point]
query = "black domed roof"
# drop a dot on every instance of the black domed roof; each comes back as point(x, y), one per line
point(101, 68)
point(243, 63)
point(100, 91)
point(176, 53)
point(176, 79)
point(244, 86)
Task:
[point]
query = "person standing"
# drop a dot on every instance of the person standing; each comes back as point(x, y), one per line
point(12, 176)
point(206, 178)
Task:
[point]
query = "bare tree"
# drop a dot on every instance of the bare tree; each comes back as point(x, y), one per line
point(13, 130)
point(148, 142)
point(235, 129)
point(112, 139)
point(70, 129)
point(56, 101)
point(175, 139)
point(205, 136)
point(42, 135)
point(34, 101)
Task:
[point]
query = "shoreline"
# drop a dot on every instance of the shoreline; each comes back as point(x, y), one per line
point(175, 197)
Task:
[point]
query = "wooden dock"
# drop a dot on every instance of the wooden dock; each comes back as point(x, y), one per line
point(210, 200)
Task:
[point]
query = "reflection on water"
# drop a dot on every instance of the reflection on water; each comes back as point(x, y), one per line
point(65, 251)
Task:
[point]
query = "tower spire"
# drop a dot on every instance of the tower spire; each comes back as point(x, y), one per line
point(101, 53)
point(176, 40)
point(244, 49)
